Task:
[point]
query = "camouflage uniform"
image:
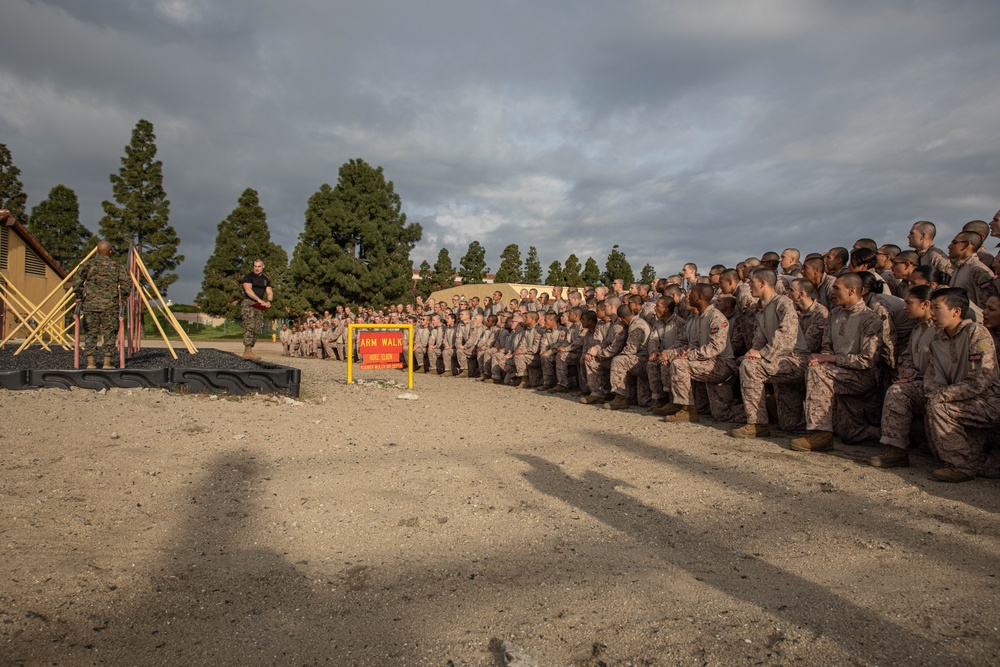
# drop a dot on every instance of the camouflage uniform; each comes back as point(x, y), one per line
point(775, 335)
point(99, 282)
point(905, 398)
point(975, 278)
point(664, 338)
point(963, 391)
point(568, 357)
point(746, 304)
point(709, 360)
point(823, 291)
point(469, 355)
point(937, 258)
point(435, 345)
point(836, 393)
point(548, 354)
point(526, 353)
point(790, 381)
point(632, 360)
point(599, 365)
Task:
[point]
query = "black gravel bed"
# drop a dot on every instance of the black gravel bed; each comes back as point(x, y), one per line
point(38, 358)
point(207, 372)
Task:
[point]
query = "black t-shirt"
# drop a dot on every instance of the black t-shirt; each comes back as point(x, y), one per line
point(258, 284)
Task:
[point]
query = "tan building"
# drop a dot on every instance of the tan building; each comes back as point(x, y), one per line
point(28, 268)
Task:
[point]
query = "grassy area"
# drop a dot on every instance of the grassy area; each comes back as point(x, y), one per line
point(227, 331)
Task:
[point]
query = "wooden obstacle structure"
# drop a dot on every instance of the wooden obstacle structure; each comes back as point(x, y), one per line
point(143, 297)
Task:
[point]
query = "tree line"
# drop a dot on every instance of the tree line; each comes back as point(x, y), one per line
point(355, 247)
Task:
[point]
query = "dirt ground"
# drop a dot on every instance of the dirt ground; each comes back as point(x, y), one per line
point(355, 528)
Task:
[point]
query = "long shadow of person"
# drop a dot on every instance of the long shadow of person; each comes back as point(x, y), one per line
point(743, 576)
point(215, 597)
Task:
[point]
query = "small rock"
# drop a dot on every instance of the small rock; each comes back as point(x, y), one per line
point(115, 436)
point(103, 391)
point(408, 396)
point(291, 401)
point(213, 397)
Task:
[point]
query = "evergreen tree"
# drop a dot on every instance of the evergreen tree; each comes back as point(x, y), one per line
point(12, 196)
point(444, 271)
point(510, 265)
point(648, 274)
point(555, 276)
point(55, 222)
point(426, 283)
point(473, 267)
point(243, 237)
point(356, 244)
point(571, 272)
point(141, 216)
point(591, 272)
point(617, 267)
point(532, 267)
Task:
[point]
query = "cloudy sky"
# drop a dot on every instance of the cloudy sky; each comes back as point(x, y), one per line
point(702, 130)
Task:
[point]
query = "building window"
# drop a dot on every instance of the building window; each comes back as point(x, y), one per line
point(3, 247)
point(33, 264)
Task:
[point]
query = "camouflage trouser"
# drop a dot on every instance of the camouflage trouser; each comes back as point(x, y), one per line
point(624, 365)
point(658, 376)
point(101, 323)
point(253, 320)
point(598, 375)
point(717, 374)
point(567, 368)
point(902, 402)
point(948, 427)
point(330, 349)
point(461, 359)
point(835, 399)
point(433, 354)
point(755, 373)
point(548, 361)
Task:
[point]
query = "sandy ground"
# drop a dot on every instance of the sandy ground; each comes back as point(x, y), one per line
point(354, 528)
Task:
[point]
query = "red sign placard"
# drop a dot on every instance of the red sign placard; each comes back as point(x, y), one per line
point(380, 349)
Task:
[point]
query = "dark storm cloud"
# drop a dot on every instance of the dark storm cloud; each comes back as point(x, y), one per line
point(705, 131)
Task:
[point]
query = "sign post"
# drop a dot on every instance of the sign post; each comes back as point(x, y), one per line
point(380, 349)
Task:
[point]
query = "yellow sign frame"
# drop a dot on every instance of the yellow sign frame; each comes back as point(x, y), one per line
point(350, 348)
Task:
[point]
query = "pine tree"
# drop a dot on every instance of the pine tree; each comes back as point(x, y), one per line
point(591, 273)
point(617, 267)
point(356, 244)
point(648, 275)
point(532, 267)
point(473, 267)
point(571, 272)
point(444, 271)
point(55, 222)
point(510, 265)
point(141, 216)
point(12, 196)
point(426, 283)
point(243, 237)
point(555, 276)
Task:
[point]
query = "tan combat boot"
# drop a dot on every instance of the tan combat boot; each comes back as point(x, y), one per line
point(667, 409)
point(558, 389)
point(751, 431)
point(891, 457)
point(951, 474)
point(817, 441)
point(107, 361)
point(248, 353)
point(687, 413)
point(91, 362)
point(620, 402)
point(592, 399)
